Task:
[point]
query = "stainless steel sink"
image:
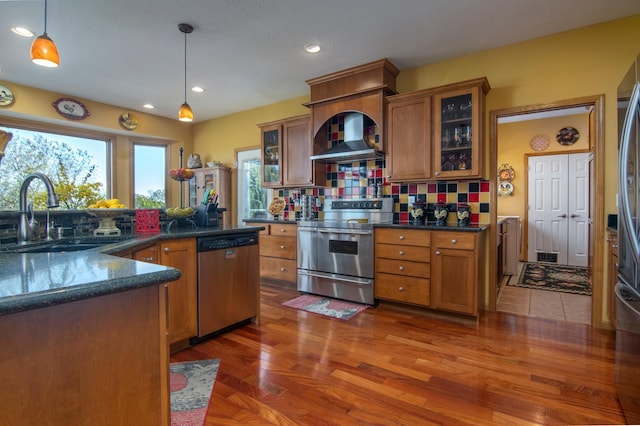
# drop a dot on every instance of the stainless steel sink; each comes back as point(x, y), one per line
point(75, 244)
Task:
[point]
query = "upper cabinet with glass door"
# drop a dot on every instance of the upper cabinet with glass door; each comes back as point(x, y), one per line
point(458, 130)
point(271, 155)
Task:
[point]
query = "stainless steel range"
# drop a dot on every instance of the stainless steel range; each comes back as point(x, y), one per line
point(335, 256)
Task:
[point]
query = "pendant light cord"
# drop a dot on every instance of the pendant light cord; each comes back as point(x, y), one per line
point(45, 16)
point(185, 67)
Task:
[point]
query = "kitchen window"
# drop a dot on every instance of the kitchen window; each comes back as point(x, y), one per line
point(149, 175)
point(77, 164)
point(252, 198)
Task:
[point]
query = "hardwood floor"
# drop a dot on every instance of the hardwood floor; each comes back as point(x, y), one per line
point(389, 366)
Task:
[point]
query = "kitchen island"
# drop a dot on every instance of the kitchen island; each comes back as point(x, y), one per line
point(84, 335)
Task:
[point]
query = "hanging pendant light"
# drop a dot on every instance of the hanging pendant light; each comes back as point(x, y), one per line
point(185, 113)
point(43, 50)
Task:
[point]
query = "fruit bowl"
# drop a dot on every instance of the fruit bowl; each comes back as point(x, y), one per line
point(106, 212)
point(181, 174)
point(180, 212)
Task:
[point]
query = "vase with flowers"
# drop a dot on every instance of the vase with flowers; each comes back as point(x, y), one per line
point(463, 214)
point(440, 212)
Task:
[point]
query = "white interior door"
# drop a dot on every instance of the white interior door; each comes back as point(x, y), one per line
point(558, 216)
point(578, 210)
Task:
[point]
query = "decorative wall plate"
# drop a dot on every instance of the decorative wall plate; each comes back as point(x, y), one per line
point(567, 136)
point(505, 188)
point(128, 121)
point(71, 109)
point(506, 173)
point(277, 206)
point(539, 143)
point(6, 96)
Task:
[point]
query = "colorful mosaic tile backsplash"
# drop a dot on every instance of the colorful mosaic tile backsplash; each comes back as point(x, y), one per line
point(363, 179)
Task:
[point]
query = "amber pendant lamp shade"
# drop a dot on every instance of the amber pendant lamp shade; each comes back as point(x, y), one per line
point(43, 50)
point(185, 113)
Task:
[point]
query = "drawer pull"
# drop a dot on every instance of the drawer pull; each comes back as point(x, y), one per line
point(401, 268)
point(148, 259)
point(166, 249)
point(401, 253)
point(400, 288)
point(437, 252)
point(281, 247)
point(402, 237)
point(453, 241)
point(282, 230)
point(283, 269)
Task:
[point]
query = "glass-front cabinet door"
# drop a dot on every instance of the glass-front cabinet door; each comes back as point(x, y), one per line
point(458, 132)
point(271, 155)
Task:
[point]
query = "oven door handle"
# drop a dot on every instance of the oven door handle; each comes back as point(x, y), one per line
point(344, 231)
point(336, 277)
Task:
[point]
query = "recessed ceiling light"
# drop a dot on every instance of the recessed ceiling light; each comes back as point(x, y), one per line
point(312, 48)
point(148, 106)
point(22, 31)
point(197, 89)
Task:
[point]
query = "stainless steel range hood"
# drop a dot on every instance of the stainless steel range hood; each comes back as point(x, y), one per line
point(354, 148)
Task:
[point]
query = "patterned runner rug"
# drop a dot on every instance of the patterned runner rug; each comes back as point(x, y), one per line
point(333, 308)
point(191, 386)
point(563, 278)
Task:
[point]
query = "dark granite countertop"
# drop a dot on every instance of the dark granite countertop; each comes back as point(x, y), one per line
point(36, 280)
point(431, 226)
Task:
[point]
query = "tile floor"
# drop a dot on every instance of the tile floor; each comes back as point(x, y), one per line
point(543, 304)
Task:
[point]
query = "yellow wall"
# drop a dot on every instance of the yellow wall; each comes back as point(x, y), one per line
point(36, 105)
point(514, 146)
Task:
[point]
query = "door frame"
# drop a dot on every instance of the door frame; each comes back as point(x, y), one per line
point(596, 144)
point(525, 229)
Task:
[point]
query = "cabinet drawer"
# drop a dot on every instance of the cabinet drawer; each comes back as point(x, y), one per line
point(403, 236)
point(403, 267)
point(454, 240)
point(402, 252)
point(403, 289)
point(278, 269)
point(278, 246)
point(283, 229)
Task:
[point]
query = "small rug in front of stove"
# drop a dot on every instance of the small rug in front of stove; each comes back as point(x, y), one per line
point(562, 278)
point(333, 308)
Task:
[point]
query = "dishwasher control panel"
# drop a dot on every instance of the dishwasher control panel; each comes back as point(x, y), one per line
point(221, 242)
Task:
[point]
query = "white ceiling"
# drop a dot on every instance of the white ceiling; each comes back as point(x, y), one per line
point(249, 53)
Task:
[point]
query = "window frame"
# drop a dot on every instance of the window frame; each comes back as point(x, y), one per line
point(167, 165)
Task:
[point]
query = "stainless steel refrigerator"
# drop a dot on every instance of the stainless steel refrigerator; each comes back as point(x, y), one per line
point(627, 291)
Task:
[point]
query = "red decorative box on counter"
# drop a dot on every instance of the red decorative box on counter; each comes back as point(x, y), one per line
point(147, 220)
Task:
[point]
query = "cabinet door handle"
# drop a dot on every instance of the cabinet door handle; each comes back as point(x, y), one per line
point(437, 173)
point(283, 269)
point(281, 247)
point(437, 252)
point(166, 249)
point(614, 246)
point(401, 268)
point(148, 259)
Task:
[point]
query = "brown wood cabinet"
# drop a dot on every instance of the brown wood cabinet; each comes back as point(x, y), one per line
point(458, 116)
point(409, 137)
point(455, 272)
point(286, 148)
point(278, 252)
point(612, 238)
point(181, 294)
point(403, 266)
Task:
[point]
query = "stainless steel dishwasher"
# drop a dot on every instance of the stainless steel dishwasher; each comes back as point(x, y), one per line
point(228, 281)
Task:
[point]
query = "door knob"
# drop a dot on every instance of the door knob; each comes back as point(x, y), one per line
point(563, 215)
point(574, 215)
